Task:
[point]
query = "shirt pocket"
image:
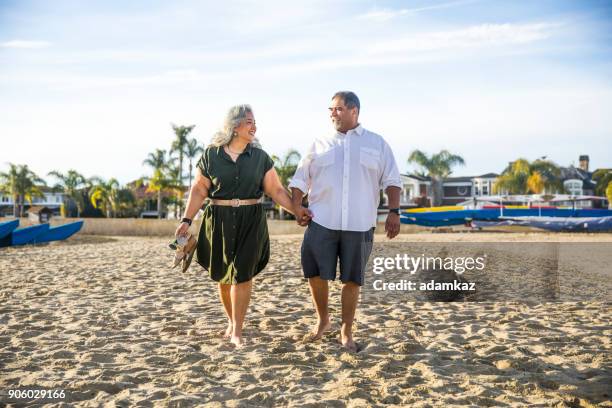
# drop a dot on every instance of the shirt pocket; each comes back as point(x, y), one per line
point(369, 158)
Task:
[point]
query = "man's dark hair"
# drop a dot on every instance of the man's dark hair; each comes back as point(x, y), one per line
point(350, 99)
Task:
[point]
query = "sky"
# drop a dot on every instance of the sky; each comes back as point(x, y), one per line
point(95, 86)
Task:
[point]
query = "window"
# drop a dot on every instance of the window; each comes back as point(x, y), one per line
point(485, 189)
point(573, 186)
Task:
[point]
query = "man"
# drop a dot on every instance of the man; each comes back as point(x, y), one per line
point(343, 175)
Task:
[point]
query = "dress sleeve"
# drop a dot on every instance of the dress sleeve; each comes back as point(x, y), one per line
point(203, 164)
point(268, 162)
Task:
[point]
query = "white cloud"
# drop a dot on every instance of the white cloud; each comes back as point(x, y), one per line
point(24, 44)
point(382, 15)
point(470, 37)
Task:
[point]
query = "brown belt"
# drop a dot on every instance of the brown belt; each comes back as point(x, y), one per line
point(235, 202)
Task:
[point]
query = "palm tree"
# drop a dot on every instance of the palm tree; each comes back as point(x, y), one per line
point(22, 184)
point(71, 184)
point(609, 194)
point(438, 167)
point(603, 178)
point(192, 150)
point(286, 167)
point(179, 146)
point(160, 181)
point(524, 177)
point(157, 159)
point(105, 195)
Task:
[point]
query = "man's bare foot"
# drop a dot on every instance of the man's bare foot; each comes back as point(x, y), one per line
point(322, 327)
point(237, 341)
point(348, 343)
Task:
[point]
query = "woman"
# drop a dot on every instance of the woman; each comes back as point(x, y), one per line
point(233, 243)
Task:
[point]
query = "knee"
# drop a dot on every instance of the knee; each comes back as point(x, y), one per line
point(350, 285)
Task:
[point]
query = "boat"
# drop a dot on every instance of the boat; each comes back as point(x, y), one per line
point(7, 227)
point(558, 224)
point(23, 235)
point(59, 232)
point(492, 213)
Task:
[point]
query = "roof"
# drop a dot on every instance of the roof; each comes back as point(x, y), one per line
point(417, 177)
point(488, 175)
point(458, 179)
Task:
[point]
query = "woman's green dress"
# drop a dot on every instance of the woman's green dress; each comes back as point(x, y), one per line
point(233, 243)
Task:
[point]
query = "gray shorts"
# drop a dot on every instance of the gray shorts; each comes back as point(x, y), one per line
point(322, 247)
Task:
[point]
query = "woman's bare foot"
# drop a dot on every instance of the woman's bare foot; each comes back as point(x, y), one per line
point(237, 341)
point(322, 327)
point(227, 333)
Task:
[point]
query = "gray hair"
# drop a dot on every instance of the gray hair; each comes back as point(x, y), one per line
point(233, 119)
point(350, 99)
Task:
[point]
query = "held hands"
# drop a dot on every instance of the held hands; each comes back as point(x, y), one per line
point(302, 215)
point(392, 225)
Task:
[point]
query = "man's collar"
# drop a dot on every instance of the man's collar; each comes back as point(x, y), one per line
point(357, 130)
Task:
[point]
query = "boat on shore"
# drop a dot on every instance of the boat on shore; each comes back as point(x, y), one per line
point(7, 227)
point(35, 234)
point(545, 215)
point(23, 236)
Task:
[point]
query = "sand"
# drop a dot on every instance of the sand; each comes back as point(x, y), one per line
point(106, 320)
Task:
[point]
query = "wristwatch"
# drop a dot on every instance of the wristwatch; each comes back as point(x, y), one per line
point(186, 221)
point(394, 210)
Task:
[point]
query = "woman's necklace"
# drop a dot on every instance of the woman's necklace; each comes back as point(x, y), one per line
point(231, 151)
point(233, 155)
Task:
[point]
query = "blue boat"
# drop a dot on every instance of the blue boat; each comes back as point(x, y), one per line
point(24, 235)
point(458, 217)
point(59, 233)
point(8, 227)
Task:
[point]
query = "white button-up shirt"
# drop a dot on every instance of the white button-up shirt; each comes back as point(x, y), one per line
point(343, 175)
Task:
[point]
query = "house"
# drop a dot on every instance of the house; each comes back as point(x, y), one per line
point(417, 190)
point(578, 180)
point(51, 199)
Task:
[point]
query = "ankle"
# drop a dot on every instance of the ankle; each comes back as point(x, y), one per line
point(346, 329)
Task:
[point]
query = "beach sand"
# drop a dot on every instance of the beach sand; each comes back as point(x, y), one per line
point(108, 321)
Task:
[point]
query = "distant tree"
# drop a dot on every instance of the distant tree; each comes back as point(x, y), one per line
point(603, 177)
point(179, 145)
point(286, 167)
point(524, 177)
point(438, 167)
point(22, 184)
point(164, 176)
point(157, 159)
point(192, 151)
point(126, 203)
point(609, 194)
point(105, 195)
point(71, 184)
point(159, 183)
